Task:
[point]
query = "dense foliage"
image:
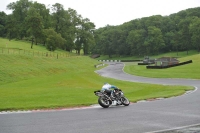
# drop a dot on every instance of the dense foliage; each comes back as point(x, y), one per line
point(151, 35)
point(55, 27)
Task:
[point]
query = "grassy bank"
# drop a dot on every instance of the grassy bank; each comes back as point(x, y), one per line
point(33, 82)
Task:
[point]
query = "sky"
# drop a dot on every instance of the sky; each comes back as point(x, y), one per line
point(116, 12)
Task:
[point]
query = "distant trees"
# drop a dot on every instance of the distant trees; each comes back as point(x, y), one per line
point(154, 40)
point(85, 36)
point(151, 35)
point(34, 25)
point(2, 24)
point(53, 39)
point(20, 10)
point(136, 39)
point(194, 30)
point(52, 27)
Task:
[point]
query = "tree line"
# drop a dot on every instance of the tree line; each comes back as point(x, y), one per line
point(52, 26)
point(151, 35)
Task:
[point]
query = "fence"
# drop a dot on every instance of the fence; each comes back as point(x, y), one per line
point(32, 53)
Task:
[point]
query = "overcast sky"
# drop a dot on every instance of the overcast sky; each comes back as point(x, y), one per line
point(116, 12)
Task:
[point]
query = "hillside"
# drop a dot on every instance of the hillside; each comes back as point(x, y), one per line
point(38, 82)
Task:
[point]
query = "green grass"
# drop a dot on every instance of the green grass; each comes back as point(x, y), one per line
point(185, 71)
point(24, 47)
point(33, 82)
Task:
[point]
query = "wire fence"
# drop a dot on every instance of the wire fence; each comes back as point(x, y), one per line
point(33, 53)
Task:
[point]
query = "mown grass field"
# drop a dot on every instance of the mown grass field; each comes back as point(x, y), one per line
point(37, 82)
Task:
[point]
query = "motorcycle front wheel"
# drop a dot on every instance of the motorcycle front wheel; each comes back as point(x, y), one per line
point(125, 101)
point(104, 102)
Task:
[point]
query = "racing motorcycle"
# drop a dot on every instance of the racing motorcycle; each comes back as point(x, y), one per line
point(106, 98)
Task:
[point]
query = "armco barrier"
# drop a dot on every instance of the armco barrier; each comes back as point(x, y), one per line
point(161, 67)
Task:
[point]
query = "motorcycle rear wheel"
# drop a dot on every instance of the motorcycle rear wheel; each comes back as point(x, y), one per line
point(103, 102)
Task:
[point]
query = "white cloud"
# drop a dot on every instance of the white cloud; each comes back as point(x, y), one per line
point(115, 12)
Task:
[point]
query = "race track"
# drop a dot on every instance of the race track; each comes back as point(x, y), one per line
point(139, 117)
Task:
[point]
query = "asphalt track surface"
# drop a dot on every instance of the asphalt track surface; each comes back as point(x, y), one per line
point(154, 116)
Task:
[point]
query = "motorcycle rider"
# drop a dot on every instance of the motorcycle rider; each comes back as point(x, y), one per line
point(109, 89)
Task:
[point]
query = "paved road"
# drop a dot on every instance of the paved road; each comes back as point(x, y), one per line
point(140, 117)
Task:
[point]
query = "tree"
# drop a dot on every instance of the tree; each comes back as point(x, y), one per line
point(169, 41)
point(65, 23)
point(177, 42)
point(34, 25)
point(74, 21)
point(78, 44)
point(20, 9)
point(53, 39)
point(44, 13)
point(155, 20)
point(3, 18)
point(58, 17)
point(194, 30)
point(85, 36)
point(185, 34)
point(11, 23)
point(122, 47)
point(136, 40)
point(154, 42)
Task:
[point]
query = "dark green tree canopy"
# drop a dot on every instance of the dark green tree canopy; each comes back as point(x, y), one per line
point(32, 21)
point(144, 36)
point(151, 35)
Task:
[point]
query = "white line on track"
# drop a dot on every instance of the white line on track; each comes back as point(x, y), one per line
point(177, 128)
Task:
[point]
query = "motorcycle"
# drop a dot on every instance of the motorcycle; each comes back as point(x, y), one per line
point(106, 98)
